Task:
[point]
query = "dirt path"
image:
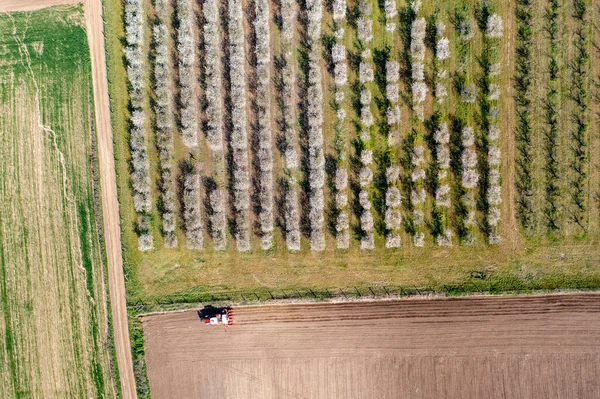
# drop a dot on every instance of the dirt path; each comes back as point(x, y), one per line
point(30, 5)
point(481, 347)
point(110, 206)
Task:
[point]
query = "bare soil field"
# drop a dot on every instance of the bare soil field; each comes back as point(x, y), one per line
point(479, 347)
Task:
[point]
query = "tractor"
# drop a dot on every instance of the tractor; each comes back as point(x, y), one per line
point(214, 316)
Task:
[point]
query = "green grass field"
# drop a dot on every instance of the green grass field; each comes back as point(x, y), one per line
point(522, 262)
point(53, 306)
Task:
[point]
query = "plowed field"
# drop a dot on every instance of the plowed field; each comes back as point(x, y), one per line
point(486, 347)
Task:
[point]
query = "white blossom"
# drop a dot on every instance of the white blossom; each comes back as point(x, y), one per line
point(494, 133)
point(393, 219)
point(365, 176)
point(494, 26)
point(418, 71)
point(494, 156)
point(418, 196)
point(393, 115)
point(442, 49)
point(419, 240)
point(418, 216)
point(445, 239)
point(366, 72)
point(343, 239)
point(442, 134)
point(316, 159)
point(365, 97)
point(263, 119)
point(392, 71)
point(340, 72)
point(366, 117)
point(442, 196)
point(470, 178)
point(145, 242)
point(339, 10)
point(366, 157)
point(415, 5)
point(468, 136)
point(341, 179)
point(341, 200)
point(392, 174)
point(392, 92)
point(338, 52)
point(469, 158)
point(393, 198)
point(238, 138)
point(494, 177)
point(441, 91)
point(364, 29)
point(494, 195)
point(494, 216)
point(443, 157)
point(419, 90)
point(191, 210)
point(366, 221)
point(494, 239)
point(367, 241)
point(393, 240)
point(363, 200)
point(389, 6)
point(494, 92)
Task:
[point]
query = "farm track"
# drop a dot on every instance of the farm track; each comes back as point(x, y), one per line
point(110, 206)
point(536, 347)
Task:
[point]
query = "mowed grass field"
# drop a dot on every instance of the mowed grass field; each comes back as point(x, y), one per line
point(54, 339)
point(522, 261)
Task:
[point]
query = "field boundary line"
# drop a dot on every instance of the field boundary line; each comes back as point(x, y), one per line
point(110, 206)
point(32, 5)
point(143, 310)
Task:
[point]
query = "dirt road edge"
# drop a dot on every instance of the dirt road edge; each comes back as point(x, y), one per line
point(110, 205)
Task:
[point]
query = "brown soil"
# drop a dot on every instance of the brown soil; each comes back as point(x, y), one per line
point(482, 347)
point(110, 206)
point(31, 5)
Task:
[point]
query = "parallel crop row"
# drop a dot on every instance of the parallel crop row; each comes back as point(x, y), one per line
point(463, 155)
point(579, 96)
point(489, 106)
point(214, 115)
point(262, 53)
point(551, 133)
point(391, 183)
point(365, 142)
point(523, 134)
point(163, 111)
point(393, 196)
point(192, 215)
point(186, 46)
point(340, 75)
point(418, 195)
point(314, 126)
point(439, 142)
point(140, 165)
point(238, 140)
point(437, 176)
point(287, 104)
